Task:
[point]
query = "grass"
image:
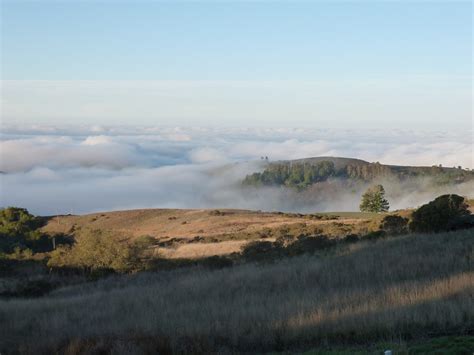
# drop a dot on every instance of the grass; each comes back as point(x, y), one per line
point(447, 345)
point(392, 290)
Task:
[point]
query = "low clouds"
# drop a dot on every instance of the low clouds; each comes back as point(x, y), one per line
point(83, 169)
point(24, 154)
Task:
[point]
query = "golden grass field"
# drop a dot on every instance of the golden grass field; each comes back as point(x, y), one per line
point(219, 232)
point(395, 289)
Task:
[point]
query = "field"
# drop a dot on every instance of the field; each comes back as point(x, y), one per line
point(203, 233)
point(393, 290)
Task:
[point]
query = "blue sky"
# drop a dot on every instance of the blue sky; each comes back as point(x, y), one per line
point(358, 56)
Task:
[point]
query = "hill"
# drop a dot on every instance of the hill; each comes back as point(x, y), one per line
point(302, 173)
point(180, 233)
point(364, 293)
point(233, 281)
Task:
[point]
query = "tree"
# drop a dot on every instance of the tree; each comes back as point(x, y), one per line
point(19, 229)
point(373, 200)
point(441, 214)
point(97, 250)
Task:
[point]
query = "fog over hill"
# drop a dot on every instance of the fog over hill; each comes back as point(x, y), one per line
point(52, 170)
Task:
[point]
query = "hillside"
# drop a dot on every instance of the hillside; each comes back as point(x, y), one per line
point(237, 281)
point(199, 233)
point(392, 291)
point(302, 173)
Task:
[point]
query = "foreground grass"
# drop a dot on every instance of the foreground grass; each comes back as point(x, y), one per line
point(394, 290)
point(447, 345)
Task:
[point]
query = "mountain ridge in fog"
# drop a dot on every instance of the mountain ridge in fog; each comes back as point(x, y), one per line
point(307, 171)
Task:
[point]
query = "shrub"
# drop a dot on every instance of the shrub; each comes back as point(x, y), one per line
point(439, 214)
point(217, 213)
point(394, 225)
point(374, 235)
point(257, 249)
point(352, 238)
point(217, 262)
point(310, 244)
point(96, 250)
point(145, 241)
point(20, 230)
point(462, 222)
point(284, 241)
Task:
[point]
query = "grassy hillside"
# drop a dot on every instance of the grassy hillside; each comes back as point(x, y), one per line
point(201, 233)
point(394, 289)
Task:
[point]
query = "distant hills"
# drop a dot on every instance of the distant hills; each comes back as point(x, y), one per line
point(302, 173)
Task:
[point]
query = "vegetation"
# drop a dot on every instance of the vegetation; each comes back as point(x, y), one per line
point(97, 251)
point(345, 283)
point(363, 294)
point(303, 173)
point(442, 214)
point(394, 225)
point(298, 175)
point(19, 232)
point(373, 200)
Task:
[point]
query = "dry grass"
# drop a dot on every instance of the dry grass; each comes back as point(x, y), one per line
point(200, 250)
point(399, 288)
point(167, 223)
point(218, 232)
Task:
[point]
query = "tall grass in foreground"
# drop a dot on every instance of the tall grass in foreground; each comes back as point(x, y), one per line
point(394, 289)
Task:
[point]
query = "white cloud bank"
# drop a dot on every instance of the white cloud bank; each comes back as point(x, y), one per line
point(82, 169)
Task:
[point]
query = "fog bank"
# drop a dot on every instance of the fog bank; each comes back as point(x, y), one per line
point(53, 170)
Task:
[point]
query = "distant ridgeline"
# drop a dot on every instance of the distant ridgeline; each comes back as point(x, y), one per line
point(304, 172)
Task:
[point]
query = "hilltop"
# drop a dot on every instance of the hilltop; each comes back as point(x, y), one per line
point(302, 173)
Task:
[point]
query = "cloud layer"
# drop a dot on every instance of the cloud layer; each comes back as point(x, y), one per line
point(82, 169)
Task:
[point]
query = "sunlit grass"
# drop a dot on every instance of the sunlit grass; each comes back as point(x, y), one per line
point(412, 286)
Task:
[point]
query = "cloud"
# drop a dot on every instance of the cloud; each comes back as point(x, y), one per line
point(206, 155)
point(20, 155)
point(56, 169)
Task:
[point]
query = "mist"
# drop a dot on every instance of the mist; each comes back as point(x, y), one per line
point(52, 170)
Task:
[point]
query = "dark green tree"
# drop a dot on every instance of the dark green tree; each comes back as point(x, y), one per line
point(373, 200)
point(439, 215)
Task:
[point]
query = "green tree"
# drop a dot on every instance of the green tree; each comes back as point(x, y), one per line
point(97, 250)
point(440, 214)
point(373, 200)
point(20, 230)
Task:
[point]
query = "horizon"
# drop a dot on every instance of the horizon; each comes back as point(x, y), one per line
point(96, 97)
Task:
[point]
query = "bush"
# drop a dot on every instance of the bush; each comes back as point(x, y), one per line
point(462, 222)
point(95, 251)
point(217, 262)
point(257, 249)
point(310, 244)
point(20, 230)
point(374, 235)
point(440, 214)
point(352, 238)
point(394, 225)
point(217, 213)
point(145, 241)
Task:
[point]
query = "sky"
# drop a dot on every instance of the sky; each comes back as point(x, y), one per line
point(110, 105)
point(373, 64)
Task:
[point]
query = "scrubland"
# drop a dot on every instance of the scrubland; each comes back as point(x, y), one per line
point(203, 233)
point(394, 289)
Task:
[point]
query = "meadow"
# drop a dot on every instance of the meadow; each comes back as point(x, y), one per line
point(395, 289)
